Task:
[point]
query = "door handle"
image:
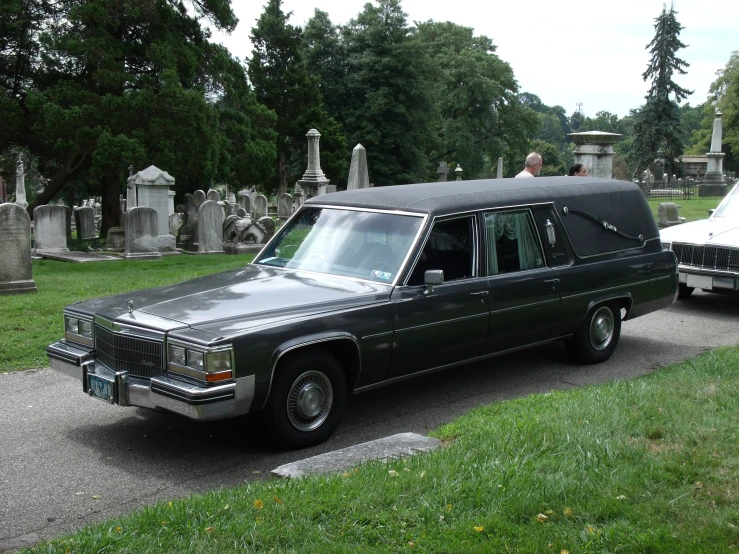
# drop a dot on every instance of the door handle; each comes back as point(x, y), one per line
point(482, 293)
point(555, 281)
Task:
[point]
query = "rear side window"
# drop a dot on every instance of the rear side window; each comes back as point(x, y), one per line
point(512, 243)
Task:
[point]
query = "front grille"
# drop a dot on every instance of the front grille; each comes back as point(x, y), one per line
point(710, 257)
point(140, 357)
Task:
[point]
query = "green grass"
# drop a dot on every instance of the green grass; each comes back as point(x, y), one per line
point(30, 322)
point(692, 210)
point(649, 465)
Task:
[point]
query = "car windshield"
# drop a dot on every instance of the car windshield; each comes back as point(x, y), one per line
point(350, 243)
point(729, 208)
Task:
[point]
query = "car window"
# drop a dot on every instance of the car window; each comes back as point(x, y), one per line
point(450, 247)
point(512, 243)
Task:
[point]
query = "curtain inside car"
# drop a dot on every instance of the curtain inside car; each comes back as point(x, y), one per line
point(514, 226)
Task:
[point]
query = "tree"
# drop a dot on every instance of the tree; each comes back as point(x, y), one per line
point(657, 123)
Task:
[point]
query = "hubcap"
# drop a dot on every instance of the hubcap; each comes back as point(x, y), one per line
point(309, 400)
point(601, 328)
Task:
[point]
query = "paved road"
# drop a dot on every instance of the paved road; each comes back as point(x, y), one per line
point(67, 460)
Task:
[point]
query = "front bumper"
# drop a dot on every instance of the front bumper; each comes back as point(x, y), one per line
point(163, 392)
point(708, 279)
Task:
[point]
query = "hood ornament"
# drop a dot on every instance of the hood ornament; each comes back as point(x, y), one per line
point(130, 307)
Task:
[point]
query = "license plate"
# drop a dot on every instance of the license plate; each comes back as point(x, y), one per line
point(100, 388)
point(700, 281)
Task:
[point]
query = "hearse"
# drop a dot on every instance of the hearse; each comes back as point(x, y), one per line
point(364, 288)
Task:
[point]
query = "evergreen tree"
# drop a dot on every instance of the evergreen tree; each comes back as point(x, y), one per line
point(657, 123)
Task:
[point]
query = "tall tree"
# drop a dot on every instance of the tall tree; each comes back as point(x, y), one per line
point(278, 73)
point(657, 123)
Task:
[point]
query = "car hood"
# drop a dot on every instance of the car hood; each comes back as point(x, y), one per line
point(256, 293)
point(706, 231)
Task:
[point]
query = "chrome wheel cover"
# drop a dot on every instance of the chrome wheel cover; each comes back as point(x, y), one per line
point(602, 327)
point(309, 400)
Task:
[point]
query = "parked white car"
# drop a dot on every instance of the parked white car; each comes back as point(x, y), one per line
point(708, 250)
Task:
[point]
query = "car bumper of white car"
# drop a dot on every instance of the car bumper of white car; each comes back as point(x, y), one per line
point(708, 279)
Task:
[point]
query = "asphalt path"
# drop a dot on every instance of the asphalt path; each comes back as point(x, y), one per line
point(67, 460)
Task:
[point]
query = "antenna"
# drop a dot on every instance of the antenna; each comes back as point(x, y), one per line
point(579, 107)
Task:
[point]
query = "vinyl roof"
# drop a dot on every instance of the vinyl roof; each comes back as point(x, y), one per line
point(460, 196)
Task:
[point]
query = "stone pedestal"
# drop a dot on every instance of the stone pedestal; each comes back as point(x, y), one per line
point(314, 181)
point(594, 149)
point(16, 272)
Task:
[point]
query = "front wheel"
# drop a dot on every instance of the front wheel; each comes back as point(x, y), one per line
point(596, 338)
point(307, 400)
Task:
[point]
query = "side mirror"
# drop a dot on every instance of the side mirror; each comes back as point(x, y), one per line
point(710, 212)
point(433, 277)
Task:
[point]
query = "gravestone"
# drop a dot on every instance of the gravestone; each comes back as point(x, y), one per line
point(16, 272)
point(175, 222)
point(241, 212)
point(314, 181)
point(84, 218)
point(284, 206)
point(50, 229)
point(152, 191)
point(260, 206)
point(358, 175)
point(442, 171)
point(210, 228)
point(244, 200)
point(269, 225)
point(668, 215)
point(198, 197)
point(20, 184)
point(213, 195)
point(170, 202)
point(142, 233)
point(499, 173)
point(68, 221)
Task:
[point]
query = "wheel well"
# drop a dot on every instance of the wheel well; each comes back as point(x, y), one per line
point(344, 350)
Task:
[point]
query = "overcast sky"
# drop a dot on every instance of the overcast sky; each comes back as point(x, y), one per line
point(565, 51)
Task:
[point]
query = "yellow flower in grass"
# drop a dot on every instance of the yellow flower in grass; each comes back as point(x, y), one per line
point(568, 512)
point(479, 528)
point(448, 507)
point(258, 504)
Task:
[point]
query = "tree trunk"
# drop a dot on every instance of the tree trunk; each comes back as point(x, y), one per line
point(110, 205)
point(281, 174)
point(71, 165)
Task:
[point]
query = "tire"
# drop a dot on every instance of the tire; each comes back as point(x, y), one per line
point(683, 291)
point(307, 400)
point(597, 337)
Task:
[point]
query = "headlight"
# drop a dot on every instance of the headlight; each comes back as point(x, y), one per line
point(78, 329)
point(200, 363)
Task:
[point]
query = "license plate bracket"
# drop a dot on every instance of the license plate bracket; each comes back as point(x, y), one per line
point(700, 281)
point(99, 387)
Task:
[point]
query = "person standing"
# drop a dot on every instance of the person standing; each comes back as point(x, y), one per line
point(532, 167)
point(578, 170)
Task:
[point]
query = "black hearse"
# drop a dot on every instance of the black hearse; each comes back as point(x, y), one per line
point(367, 287)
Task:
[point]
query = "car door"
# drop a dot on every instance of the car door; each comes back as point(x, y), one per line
point(449, 323)
point(524, 295)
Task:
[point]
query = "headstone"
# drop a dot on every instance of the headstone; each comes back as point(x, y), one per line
point(16, 272)
point(314, 181)
point(175, 222)
point(269, 225)
point(152, 191)
point(210, 228)
point(170, 201)
point(213, 195)
point(225, 208)
point(442, 171)
point(358, 175)
point(142, 232)
point(499, 174)
point(260, 206)
point(84, 218)
point(68, 223)
point(241, 212)
point(20, 184)
point(284, 206)
point(50, 228)
point(198, 197)
point(668, 215)
point(244, 200)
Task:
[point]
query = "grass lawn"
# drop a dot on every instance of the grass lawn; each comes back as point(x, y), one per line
point(691, 210)
point(30, 322)
point(646, 465)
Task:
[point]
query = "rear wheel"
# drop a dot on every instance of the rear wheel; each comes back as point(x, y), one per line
point(307, 400)
point(684, 290)
point(596, 338)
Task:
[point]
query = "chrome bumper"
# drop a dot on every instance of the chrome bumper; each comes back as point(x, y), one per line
point(158, 393)
point(726, 280)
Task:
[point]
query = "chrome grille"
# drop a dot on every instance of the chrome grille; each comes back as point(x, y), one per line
point(711, 257)
point(140, 357)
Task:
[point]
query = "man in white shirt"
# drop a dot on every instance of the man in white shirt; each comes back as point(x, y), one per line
point(533, 166)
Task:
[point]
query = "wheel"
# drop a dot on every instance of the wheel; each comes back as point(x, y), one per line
point(307, 400)
point(596, 338)
point(684, 290)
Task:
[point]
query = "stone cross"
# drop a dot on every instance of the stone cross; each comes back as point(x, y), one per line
point(442, 171)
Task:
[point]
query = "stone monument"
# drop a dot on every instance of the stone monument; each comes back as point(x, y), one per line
point(151, 190)
point(714, 183)
point(594, 149)
point(50, 229)
point(358, 174)
point(314, 181)
point(16, 272)
point(442, 171)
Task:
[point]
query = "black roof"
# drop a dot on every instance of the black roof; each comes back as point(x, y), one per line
point(460, 196)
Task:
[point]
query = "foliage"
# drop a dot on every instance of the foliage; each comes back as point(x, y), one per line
point(645, 465)
point(657, 123)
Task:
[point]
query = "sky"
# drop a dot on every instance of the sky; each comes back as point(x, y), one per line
point(568, 52)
